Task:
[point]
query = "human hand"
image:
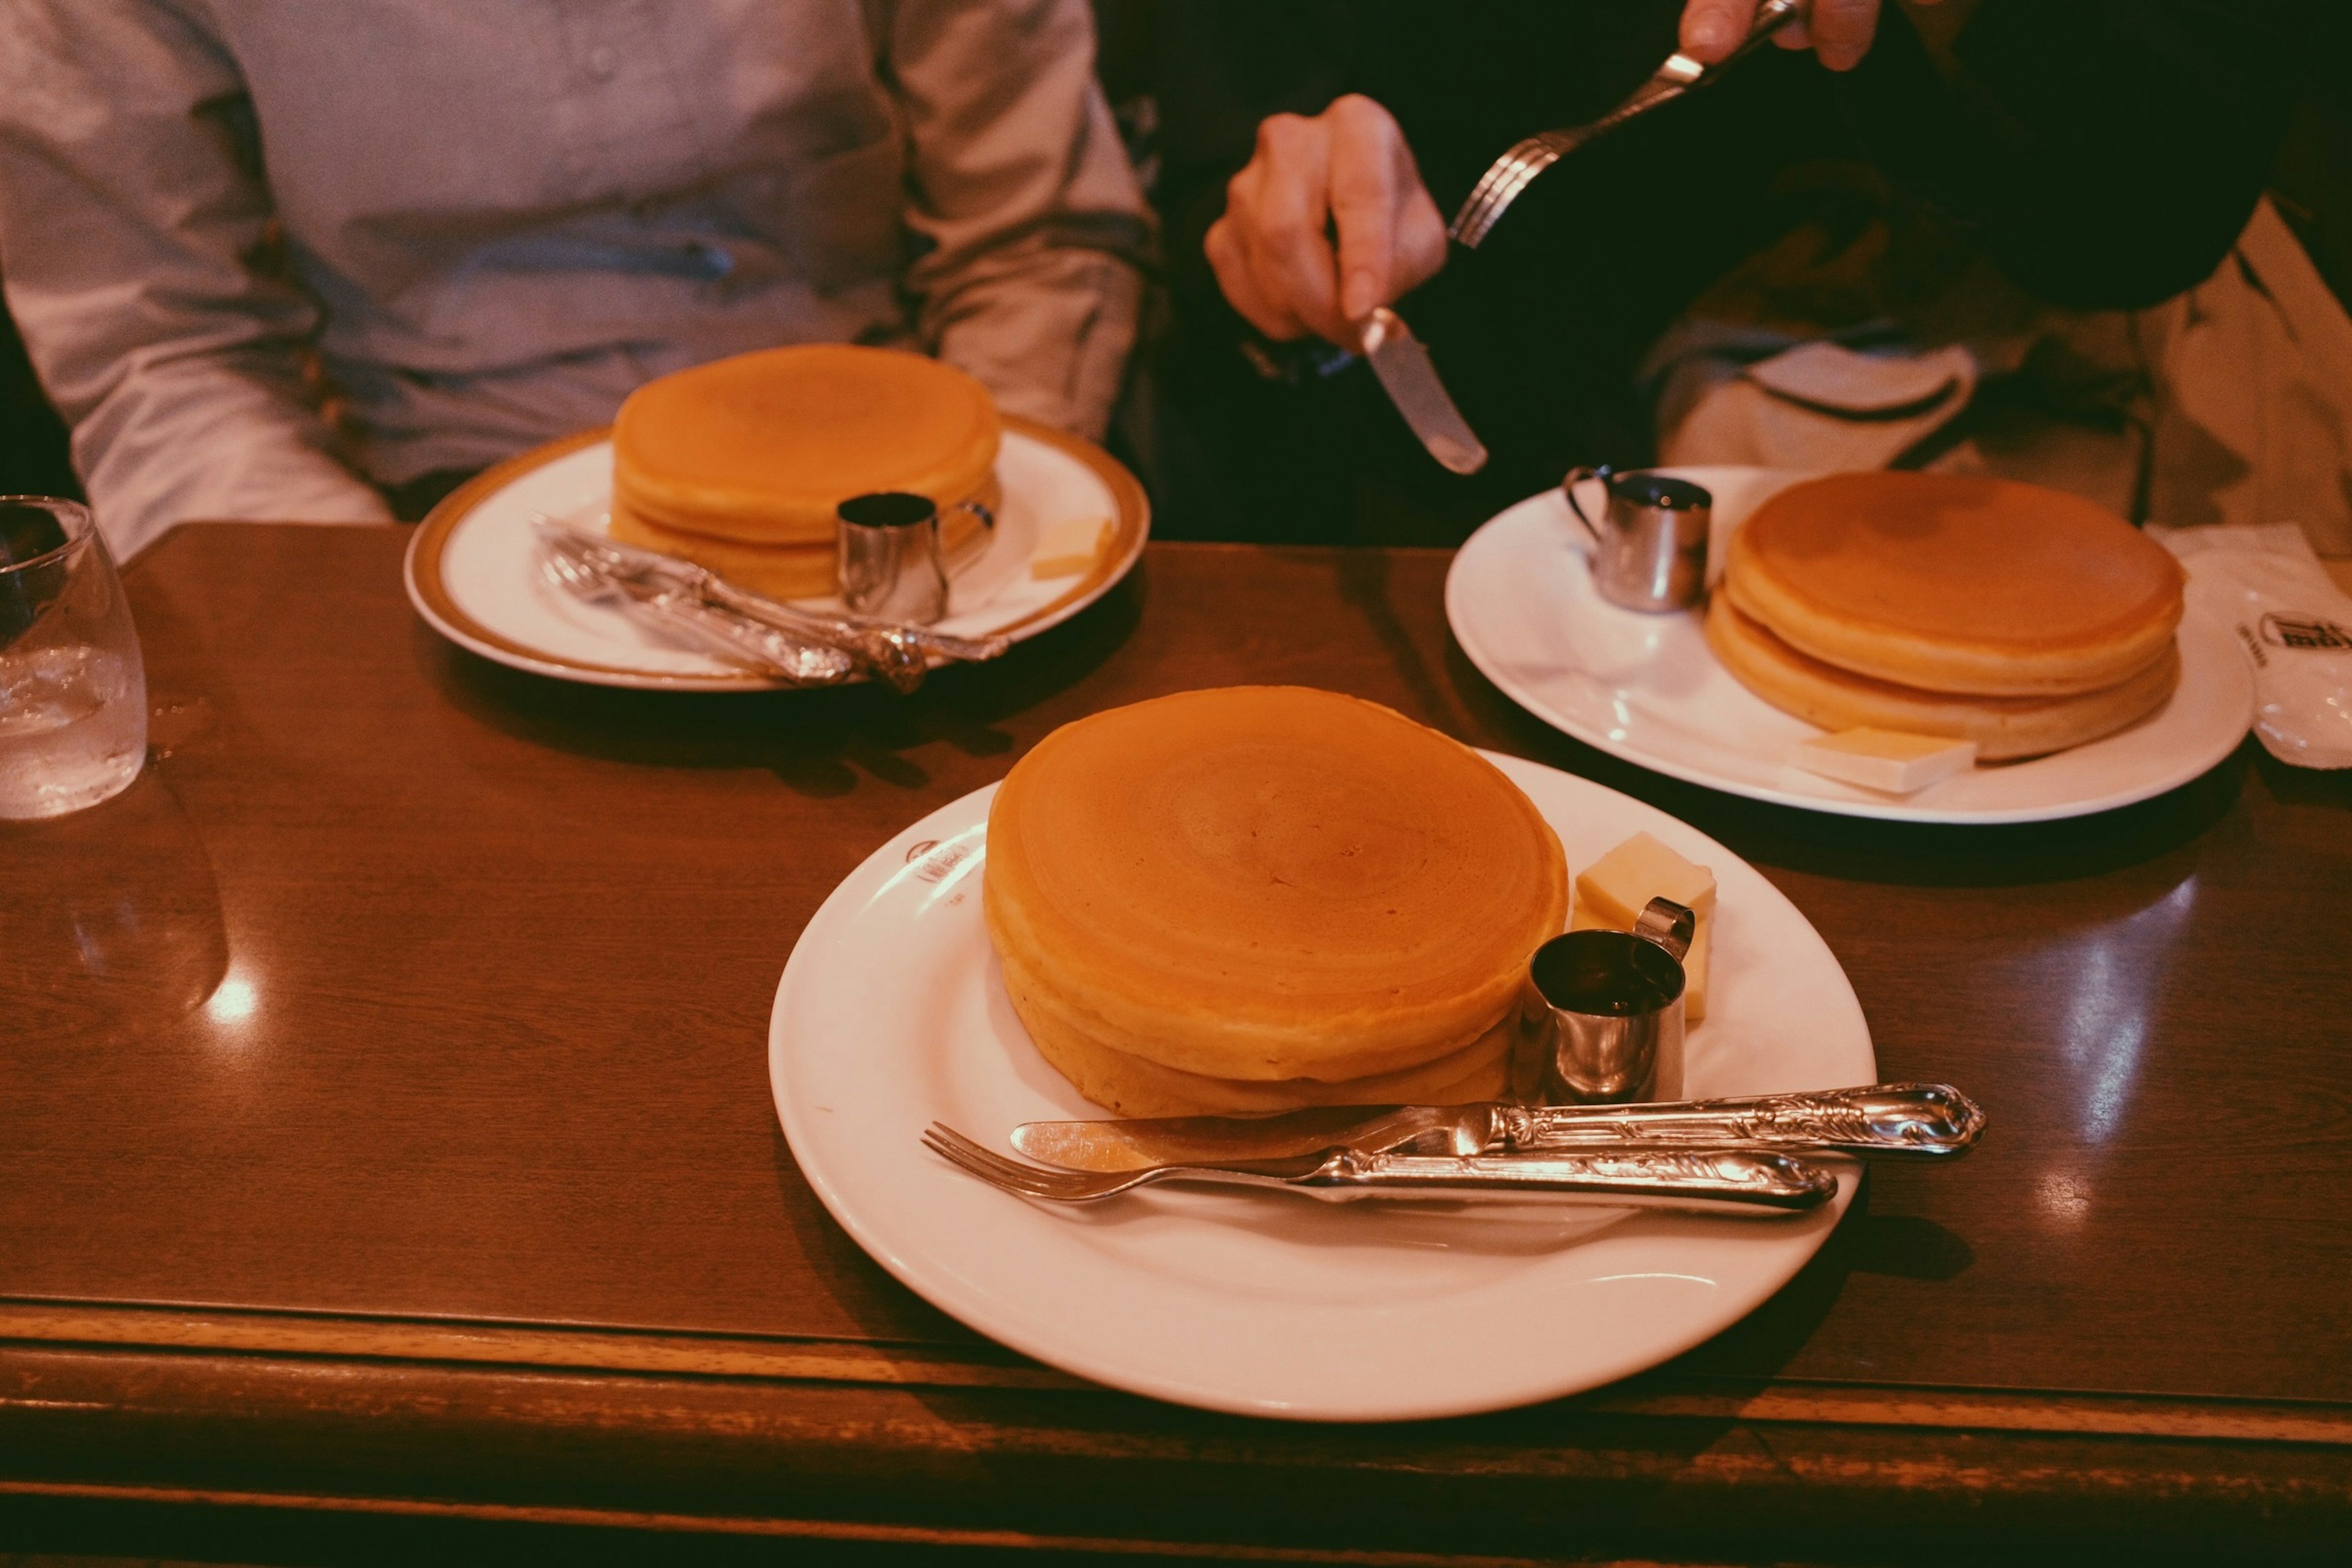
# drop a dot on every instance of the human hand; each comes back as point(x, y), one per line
point(1347, 168)
point(1839, 31)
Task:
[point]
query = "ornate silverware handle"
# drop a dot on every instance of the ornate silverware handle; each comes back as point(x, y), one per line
point(1735, 1181)
point(848, 628)
point(1920, 1120)
point(776, 652)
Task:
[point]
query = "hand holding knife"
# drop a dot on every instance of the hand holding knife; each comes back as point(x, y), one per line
point(1326, 225)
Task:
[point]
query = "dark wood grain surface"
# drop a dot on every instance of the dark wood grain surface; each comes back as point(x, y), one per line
point(383, 1079)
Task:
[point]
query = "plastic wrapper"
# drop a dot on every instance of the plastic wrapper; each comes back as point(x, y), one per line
point(2296, 624)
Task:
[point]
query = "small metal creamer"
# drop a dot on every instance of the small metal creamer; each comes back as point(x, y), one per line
point(892, 563)
point(1600, 1015)
point(1648, 549)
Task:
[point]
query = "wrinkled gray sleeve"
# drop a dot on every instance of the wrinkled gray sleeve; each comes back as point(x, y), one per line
point(129, 223)
point(1034, 227)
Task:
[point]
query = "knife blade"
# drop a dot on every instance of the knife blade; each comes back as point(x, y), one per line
point(1898, 1118)
point(1138, 1141)
point(1405, 369)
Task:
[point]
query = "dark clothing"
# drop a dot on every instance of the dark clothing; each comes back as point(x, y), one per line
point(411, 501)
point(2103, 152)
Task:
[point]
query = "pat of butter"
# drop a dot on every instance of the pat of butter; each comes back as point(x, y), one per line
point(1615, 890)
point(1068, 547)
point(1887, 760)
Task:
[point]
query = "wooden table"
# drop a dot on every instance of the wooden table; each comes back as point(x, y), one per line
point(386, 1159)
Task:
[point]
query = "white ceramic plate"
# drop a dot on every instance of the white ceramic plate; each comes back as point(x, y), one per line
point(1647, 688)
point(473, 572)
point(892, 1014)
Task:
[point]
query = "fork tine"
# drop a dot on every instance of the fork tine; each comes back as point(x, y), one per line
point(1014, 1176)
point(1037, 1180)
point(1505, 178)
point(957, 1155)
point(1502, 168)
point(986, 1163)
point(948, 1141)
point(996, 1173)
point(960, 1151)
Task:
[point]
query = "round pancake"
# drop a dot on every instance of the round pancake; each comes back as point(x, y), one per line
point(1132, 1086)
point(779, 571)
point(2004, 728)
point(1266, 883)
point(1956, 583)
point(762, 447)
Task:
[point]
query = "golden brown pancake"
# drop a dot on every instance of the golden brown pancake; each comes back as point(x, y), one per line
point(779, 571)
point(1263, 884)
point(2003, 728)
point(1958, 583)
point(1133, 1085)
point(762, 447)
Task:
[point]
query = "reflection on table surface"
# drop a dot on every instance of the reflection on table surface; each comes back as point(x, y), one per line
point(407, 989)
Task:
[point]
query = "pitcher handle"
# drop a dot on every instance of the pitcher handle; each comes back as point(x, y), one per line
point(955, 559)
point(1577, 475)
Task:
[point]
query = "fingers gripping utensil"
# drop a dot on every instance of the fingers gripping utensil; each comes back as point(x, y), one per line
point(1410, 379)
point(1516, 169)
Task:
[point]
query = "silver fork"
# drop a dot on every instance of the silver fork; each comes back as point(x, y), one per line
point(1512, 173)
point(1060, 1185)
point(898, 653)
point(766, 650)
point(1725, 1182)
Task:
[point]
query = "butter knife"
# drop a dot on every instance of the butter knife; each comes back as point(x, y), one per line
point(1717, 1180)
point(892, 652)
point(761, 648)
point(1405, 369)
point(1917, 1120)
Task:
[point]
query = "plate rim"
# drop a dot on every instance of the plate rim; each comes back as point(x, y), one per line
point(1490, 664)
point(798, 1137)
point(428, 590)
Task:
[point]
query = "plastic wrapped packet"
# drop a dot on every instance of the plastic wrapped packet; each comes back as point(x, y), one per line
point(2265, 583)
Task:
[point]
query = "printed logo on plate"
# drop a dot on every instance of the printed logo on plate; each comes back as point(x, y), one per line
point(935, 862)
point(2306, 633)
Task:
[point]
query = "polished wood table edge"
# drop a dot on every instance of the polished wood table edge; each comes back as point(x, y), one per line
point(825, 1531)
point(444, 1446)
point(669, 1352)
point(491, 1342)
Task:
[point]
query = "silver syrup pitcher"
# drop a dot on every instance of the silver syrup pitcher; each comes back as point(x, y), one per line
point(1649, 546)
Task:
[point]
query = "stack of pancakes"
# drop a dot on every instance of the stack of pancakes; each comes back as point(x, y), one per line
point(2024, 620)
point(1263, 898)
point(737, 465)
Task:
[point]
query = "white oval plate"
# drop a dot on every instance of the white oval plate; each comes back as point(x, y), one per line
point(473, 572)
point(892, 1014)
point(1647, 687)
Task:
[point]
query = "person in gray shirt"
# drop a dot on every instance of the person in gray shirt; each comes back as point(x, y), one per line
point(276, 259)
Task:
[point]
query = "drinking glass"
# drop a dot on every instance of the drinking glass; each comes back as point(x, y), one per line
point(73, 692)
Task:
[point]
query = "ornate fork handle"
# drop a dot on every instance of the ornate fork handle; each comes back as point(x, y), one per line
point(845, 629)
point(1933, 1120)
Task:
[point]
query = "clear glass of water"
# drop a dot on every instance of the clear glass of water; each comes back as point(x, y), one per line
point(73, 692)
